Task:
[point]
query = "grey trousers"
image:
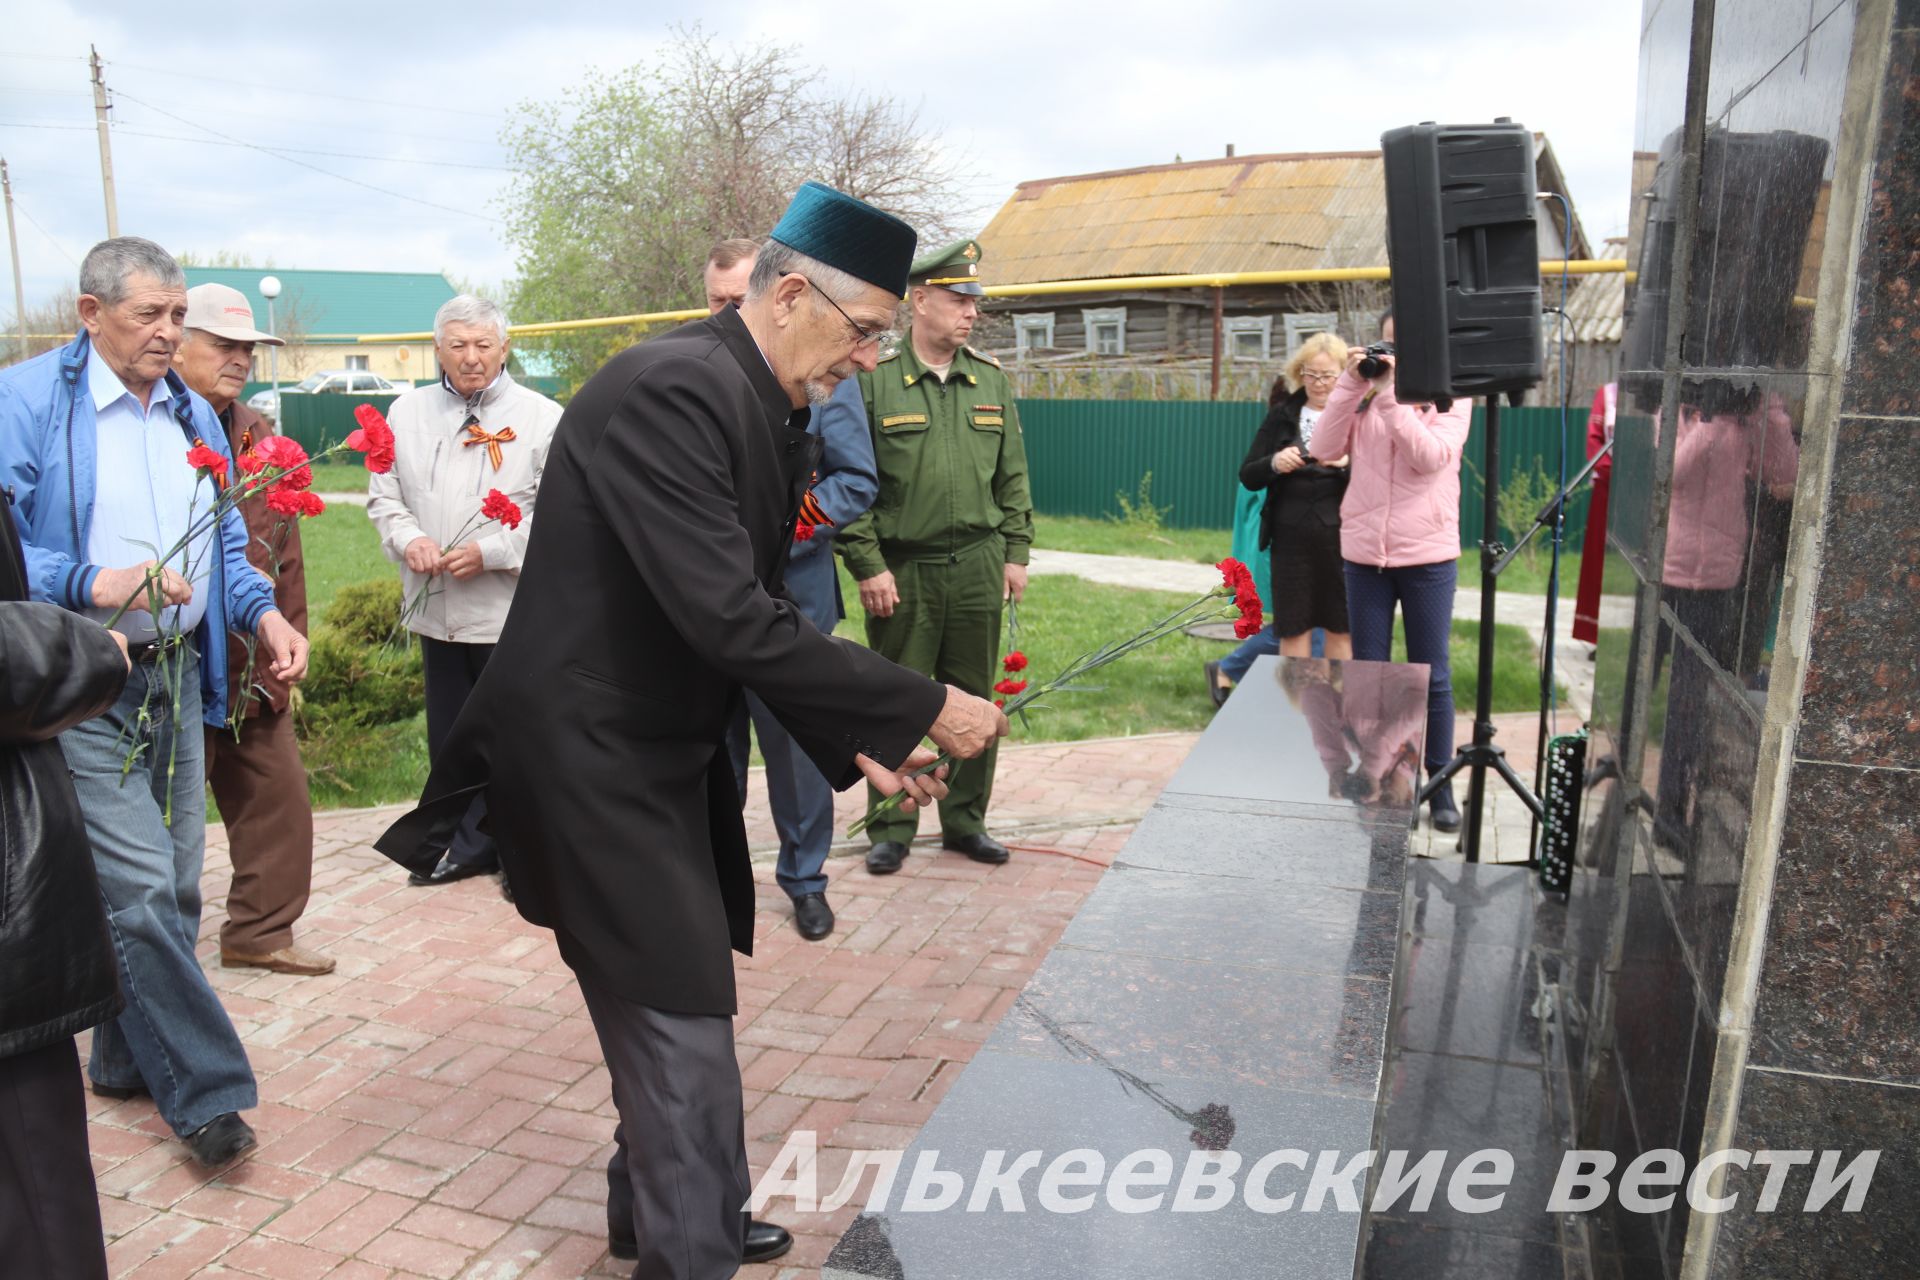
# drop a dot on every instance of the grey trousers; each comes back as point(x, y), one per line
point(681, 1157)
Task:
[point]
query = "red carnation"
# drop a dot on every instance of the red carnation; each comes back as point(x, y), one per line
point(1010, 686)
point(201, 458)
point(311, 504)
point(286, 502)
point(374, 438)
point(1245, 628)
point(999, 702)
point(1014, 661)
point(803, 533)
point(1234, 573)
point(252, 463)
point(498, 506)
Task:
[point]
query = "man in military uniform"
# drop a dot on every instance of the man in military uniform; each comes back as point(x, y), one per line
point(947, 539)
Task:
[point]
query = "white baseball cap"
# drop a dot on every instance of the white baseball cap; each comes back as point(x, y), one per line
point(224, 313)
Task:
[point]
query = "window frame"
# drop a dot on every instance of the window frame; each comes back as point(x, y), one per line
point(1093, 317)
point(1301, 325)
point(1027, 323)
point(1233, 326)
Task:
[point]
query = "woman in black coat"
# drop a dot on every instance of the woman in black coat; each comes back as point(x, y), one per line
point(1300, 523)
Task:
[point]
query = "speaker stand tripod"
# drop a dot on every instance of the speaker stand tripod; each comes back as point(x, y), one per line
point(1481, 754)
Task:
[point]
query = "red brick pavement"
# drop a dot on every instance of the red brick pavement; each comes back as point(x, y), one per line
point(437, 1106)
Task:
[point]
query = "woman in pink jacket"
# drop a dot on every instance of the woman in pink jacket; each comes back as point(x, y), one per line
point(1400, 533)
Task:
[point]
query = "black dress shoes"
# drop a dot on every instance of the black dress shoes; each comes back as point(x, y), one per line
point(1446, 814)
point(1215, 689)
point(221, 1139)
point(764, 1242)
point(812, 916)
point(981, 848)
point(885, 857)
point(449, 871)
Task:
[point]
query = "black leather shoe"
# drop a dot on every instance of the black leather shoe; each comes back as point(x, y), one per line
point(506, 887)
point(120, 1092)
point(981, 848)
point(449, 871)
point(885, 857)
point(221, 1139)
point(812, 916)
point(621, 1244)
point(765, 1242)
point(1215, 689)
point(1446, 814)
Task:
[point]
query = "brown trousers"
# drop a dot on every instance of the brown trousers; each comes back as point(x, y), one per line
point(261, 786)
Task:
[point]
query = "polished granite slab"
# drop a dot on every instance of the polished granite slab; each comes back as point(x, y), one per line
point(1227, 988)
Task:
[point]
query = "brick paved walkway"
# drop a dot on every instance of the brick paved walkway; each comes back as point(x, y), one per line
point(437, 1107)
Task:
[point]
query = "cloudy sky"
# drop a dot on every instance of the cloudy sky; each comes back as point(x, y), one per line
point(387, 117)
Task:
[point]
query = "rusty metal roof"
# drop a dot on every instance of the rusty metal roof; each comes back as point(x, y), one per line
point(1283, 212)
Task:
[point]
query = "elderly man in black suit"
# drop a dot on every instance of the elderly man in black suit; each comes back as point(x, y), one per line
point(650, 598)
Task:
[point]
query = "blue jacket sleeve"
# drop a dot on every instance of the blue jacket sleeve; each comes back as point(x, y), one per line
point(52, 576)
point(849, 480)
point(249, 592)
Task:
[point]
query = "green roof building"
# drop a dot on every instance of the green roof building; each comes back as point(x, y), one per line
point(324, 314)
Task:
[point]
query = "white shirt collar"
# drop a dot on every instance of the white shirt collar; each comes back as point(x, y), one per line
point(106, 388)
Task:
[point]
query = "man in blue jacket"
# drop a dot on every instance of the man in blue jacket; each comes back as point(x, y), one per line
point(844, 486)
point(93, 453)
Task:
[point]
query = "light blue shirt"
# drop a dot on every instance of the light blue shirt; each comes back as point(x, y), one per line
point(146, 497)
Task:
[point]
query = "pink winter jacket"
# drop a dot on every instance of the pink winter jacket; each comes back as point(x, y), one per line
point(1714, 460)
point(1403, 503)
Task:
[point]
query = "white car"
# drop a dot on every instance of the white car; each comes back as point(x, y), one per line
point(327, 382)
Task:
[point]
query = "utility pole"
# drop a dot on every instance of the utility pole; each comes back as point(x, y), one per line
point(13, 247)
point(106, 147)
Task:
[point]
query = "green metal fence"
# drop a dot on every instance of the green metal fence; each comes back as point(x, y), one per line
point(1083, 454)
point(319, 422)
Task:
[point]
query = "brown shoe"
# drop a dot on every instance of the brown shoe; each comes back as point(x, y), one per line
point(289, 959)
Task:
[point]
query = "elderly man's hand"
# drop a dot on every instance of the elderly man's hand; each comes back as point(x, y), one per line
point(967, 725)
point(878, 595)
point(925, 789)
point(114, 587)
point(286, 647)
point(463, 561)
point(423, 556)
point(1015, 582)
point(122, 642)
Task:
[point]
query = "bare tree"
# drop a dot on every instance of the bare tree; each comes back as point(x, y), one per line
point(49, 324)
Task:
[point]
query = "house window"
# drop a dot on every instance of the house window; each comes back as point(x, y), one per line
point(1032, 332)
point(357, 362)
point(1305, 325)
point(1106, 331)
point(1249, 337)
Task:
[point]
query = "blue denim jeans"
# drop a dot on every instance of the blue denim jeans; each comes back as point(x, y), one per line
point(1424, 593)
point(174, 1036)
point(1264, 641)
point(798, 795)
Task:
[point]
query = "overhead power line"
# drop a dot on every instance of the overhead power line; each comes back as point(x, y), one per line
point(123, 131)
point(295, 160)
point(309, 93)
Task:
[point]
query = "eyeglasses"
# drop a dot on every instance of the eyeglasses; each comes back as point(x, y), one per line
point(1319, 377)
point(884, 341)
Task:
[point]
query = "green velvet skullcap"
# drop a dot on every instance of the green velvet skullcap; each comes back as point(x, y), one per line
point(832, 227)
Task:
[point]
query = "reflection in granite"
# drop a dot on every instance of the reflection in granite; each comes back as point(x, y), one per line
point(1654, 1010)
point(1318, 1032)
point(1483, 903)
point(1843, 939)
point(1300, 927)
point(1755, 40)
point(1700, 860)
point(1783, 1112)
point(1287, 844)
point(1473, 1001)
point(1344, 737)
point(1880, 378)
point(1630, 1245)
point(1438, 1102)
point(1693, 1120)
point(1016, 1104)
point(1399, 1250)
point(1863, 658)
point(1630, 492)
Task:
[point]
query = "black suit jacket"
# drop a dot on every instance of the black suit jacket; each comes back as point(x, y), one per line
point(649, 598)
point(1311, 493)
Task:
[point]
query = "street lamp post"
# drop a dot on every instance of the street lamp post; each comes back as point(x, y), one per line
point(270, 289)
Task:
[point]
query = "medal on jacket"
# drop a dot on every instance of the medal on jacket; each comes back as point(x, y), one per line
point(477, 434)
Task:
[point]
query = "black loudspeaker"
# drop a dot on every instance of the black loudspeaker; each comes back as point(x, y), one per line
point(1759, 193)
point(1464, 243)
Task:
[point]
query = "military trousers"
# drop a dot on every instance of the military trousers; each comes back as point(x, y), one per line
point(947, 625)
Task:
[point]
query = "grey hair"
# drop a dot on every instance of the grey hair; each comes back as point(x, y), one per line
point(776, 260)
point(109, 265)
point(469, 309)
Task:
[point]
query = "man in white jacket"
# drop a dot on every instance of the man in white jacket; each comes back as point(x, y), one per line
point(474, 431)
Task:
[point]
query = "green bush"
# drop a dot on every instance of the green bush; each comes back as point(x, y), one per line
point(363, 671)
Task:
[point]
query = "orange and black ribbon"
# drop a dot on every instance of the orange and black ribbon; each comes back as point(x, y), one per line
point(492, 439)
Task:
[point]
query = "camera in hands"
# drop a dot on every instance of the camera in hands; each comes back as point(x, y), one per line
point(1371, 365)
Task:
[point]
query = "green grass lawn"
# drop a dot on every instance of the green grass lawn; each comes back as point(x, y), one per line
point(1159, 690)
point(340, 475)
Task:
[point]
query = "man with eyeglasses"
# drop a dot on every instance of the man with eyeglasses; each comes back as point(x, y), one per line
point(474, 430)
point(946, 542)
point(651, 599)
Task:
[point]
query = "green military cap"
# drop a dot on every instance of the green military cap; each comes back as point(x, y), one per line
point(956, 267)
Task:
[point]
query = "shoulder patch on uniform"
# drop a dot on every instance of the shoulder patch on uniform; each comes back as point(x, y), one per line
point(891, 355)
point(983, 356)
